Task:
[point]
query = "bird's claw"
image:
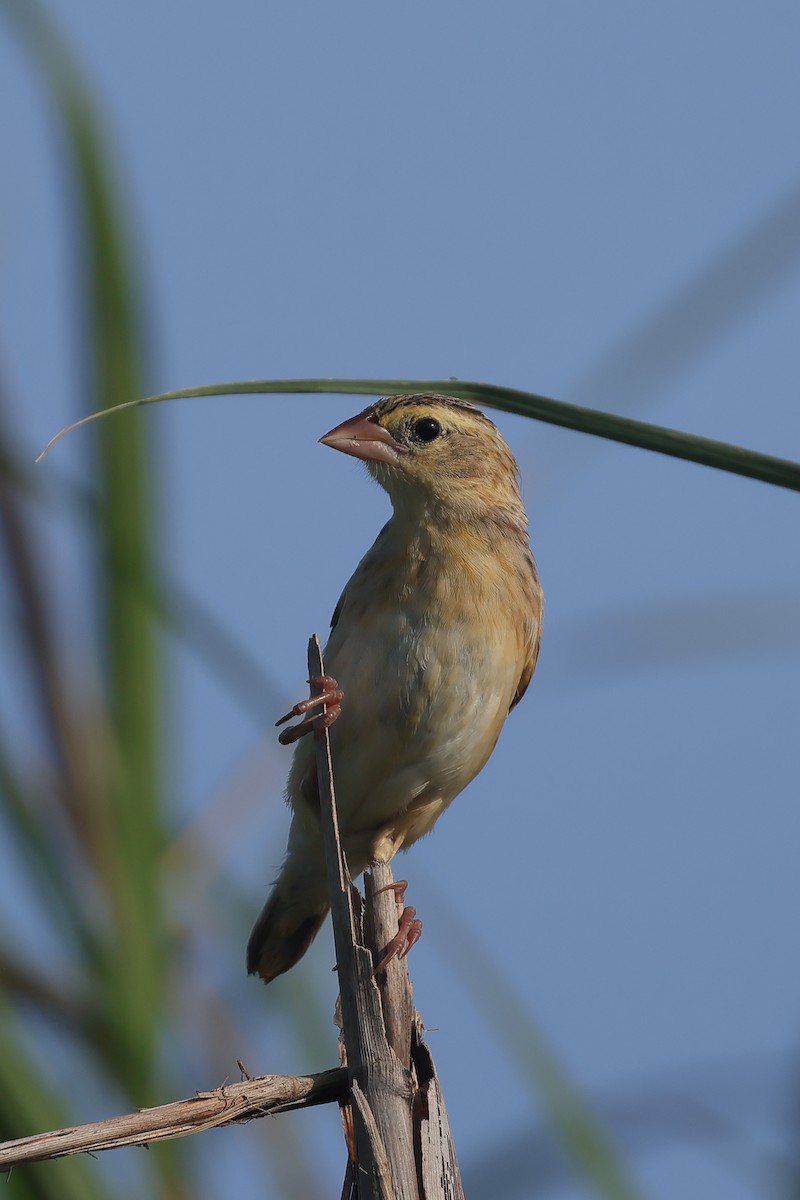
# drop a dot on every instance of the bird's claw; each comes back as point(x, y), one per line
point(330, 698)
point(398, 887)
point(409, 928)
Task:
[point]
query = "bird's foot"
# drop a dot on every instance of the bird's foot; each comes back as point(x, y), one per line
point(400, 887)
point(330, 698)
point(409, 928)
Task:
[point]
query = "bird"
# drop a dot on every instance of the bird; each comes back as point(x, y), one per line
point(433, 642)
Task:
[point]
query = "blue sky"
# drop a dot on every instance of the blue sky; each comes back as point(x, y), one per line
point(595, 202)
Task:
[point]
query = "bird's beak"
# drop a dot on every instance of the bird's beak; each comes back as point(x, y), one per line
point(363, 437)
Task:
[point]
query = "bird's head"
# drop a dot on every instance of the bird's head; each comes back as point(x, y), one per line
point(436, 451)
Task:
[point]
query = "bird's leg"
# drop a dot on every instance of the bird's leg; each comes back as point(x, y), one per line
point(330, 697)
point(409, 927)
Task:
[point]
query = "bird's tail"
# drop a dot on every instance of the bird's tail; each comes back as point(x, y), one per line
point(288, 922)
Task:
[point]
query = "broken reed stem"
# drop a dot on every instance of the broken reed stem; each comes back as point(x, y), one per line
point(404, 1147)
point(257, 1097)
point(379, 1081)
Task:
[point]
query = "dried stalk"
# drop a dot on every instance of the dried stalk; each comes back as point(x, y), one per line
point(403, 1143)
point(382, 1116)
point(258, 1097)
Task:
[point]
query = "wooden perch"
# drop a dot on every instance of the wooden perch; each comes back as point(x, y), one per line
point(403, 1149)
point(257, 1097)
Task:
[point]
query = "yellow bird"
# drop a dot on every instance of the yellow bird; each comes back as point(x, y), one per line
point(433, 642)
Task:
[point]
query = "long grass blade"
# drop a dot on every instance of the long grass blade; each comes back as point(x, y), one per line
point(706, 451)
point(132, 967)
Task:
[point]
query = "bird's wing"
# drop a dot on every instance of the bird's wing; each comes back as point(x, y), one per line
point(361, 570)
point(527, 674)
point(338, 609)
point(534, 637)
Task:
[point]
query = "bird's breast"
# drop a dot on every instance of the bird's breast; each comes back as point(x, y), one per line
point(429, 657)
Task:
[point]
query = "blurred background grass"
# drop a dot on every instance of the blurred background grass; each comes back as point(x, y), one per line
point(101, 1008)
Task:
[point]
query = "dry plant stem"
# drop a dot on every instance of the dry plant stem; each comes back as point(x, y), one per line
point(380, 926)
point(403, 1141)
point(383, 1113)
point(232, 1102)
point(382, 1185)
point(437, 1163)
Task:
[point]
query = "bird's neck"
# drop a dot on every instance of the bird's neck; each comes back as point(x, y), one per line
point(432, 530)
point(431, 521)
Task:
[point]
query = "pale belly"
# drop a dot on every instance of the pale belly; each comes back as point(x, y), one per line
point(422, 711)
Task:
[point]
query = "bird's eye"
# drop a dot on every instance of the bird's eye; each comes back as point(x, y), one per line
point(427, 429)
